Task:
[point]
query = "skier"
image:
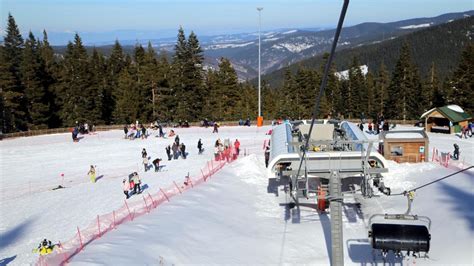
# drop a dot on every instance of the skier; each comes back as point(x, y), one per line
point(145, 159)
point(156, 163)
point(267, 155)
point(91, 174)
point(237, 146)
point(168, 152)
point(126, 187)
point(456, 152)
point(199, 146)
point(182, 147)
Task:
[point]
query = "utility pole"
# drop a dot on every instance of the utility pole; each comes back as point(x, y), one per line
point(260, 118)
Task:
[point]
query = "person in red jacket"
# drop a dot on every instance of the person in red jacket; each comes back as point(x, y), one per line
point(237, 146)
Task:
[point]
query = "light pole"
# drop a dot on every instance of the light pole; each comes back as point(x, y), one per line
point(260, 118)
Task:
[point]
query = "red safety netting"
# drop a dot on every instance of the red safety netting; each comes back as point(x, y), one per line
point(130, 210)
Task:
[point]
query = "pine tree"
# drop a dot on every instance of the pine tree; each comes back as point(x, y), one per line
point(463, 79)
point(381, 91)
point(33, 75)
point(127, 96)
point(405, 88)
point(14, 95)
point(75, 81)
point(357, 99)
point(228, 89)
point(50, 80)
point(9, 103)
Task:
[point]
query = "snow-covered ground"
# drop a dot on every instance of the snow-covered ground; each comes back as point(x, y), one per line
point(235, 218)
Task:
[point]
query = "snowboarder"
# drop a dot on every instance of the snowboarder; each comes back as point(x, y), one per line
point(456, 152)
point(156, 164)
point(267, 155)
point(182, 147)
point(126, 187)
point(91, 174)
point(168, 152)
point(199, 146)
point(237, 146)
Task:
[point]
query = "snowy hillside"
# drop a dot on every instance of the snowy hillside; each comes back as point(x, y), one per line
point(235, 218)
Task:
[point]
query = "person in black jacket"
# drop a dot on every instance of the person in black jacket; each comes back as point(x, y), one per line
point(182, 147)
point(168, 152)
point(199, 146)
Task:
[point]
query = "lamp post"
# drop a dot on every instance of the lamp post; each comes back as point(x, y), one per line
point(260, 118)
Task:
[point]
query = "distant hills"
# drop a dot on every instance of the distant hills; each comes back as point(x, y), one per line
point(441, 45)
point(281, 48)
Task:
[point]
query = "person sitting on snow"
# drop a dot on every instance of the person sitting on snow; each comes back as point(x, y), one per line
point(45, 247)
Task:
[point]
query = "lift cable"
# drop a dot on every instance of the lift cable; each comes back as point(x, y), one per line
point(324, 81)
point(404, 193)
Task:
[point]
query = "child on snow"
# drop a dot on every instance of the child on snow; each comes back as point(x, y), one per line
point(156, 163)
point(126, 187)
point(456, 152)
point(136, 183)
point(145, 159)
point(199, 146)
point(45, 247)
point(91, 174)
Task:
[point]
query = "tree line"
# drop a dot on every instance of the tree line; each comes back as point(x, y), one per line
point(42, 89)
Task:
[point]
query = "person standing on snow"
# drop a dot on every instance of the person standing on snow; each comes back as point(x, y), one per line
point(267, 155)
point(456, 152)
point(145, 159)
point(137, 181)
point(175, 149)
point(125, 130)
point(125, 187)
point(216, 126)
point(168, 152)
point(237, 146)
point(91, 174)
point(182, 147)
point(199, 146)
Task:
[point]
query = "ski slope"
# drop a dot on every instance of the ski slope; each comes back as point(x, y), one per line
point(232, 219)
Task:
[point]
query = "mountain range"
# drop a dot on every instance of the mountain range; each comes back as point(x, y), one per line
point(283, 47)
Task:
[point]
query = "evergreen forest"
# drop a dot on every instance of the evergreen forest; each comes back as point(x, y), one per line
point(44, 89)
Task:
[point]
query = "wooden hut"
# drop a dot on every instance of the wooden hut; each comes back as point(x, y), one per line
point(447, 119)
point(404, 145)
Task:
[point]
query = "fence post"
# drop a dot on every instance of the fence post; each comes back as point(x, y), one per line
point(98, 224)
point(115, 227)
point(152, 201)
point(129, 213)
point(80, 238)
point(203, 176)
point(146, 205)
point(166, 196)
point(177, 187)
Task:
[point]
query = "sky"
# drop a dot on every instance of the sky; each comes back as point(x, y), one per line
point(209, 17)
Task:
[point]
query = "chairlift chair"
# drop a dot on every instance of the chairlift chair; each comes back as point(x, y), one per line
point(401, 232)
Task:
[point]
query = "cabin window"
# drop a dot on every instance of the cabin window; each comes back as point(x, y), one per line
point(396, 151)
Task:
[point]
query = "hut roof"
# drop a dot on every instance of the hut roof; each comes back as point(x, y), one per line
point(452, 112)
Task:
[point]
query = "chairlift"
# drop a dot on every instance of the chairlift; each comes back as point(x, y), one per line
point(401, 232)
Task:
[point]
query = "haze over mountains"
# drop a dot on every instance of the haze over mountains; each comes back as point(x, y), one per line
point(284, 47)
